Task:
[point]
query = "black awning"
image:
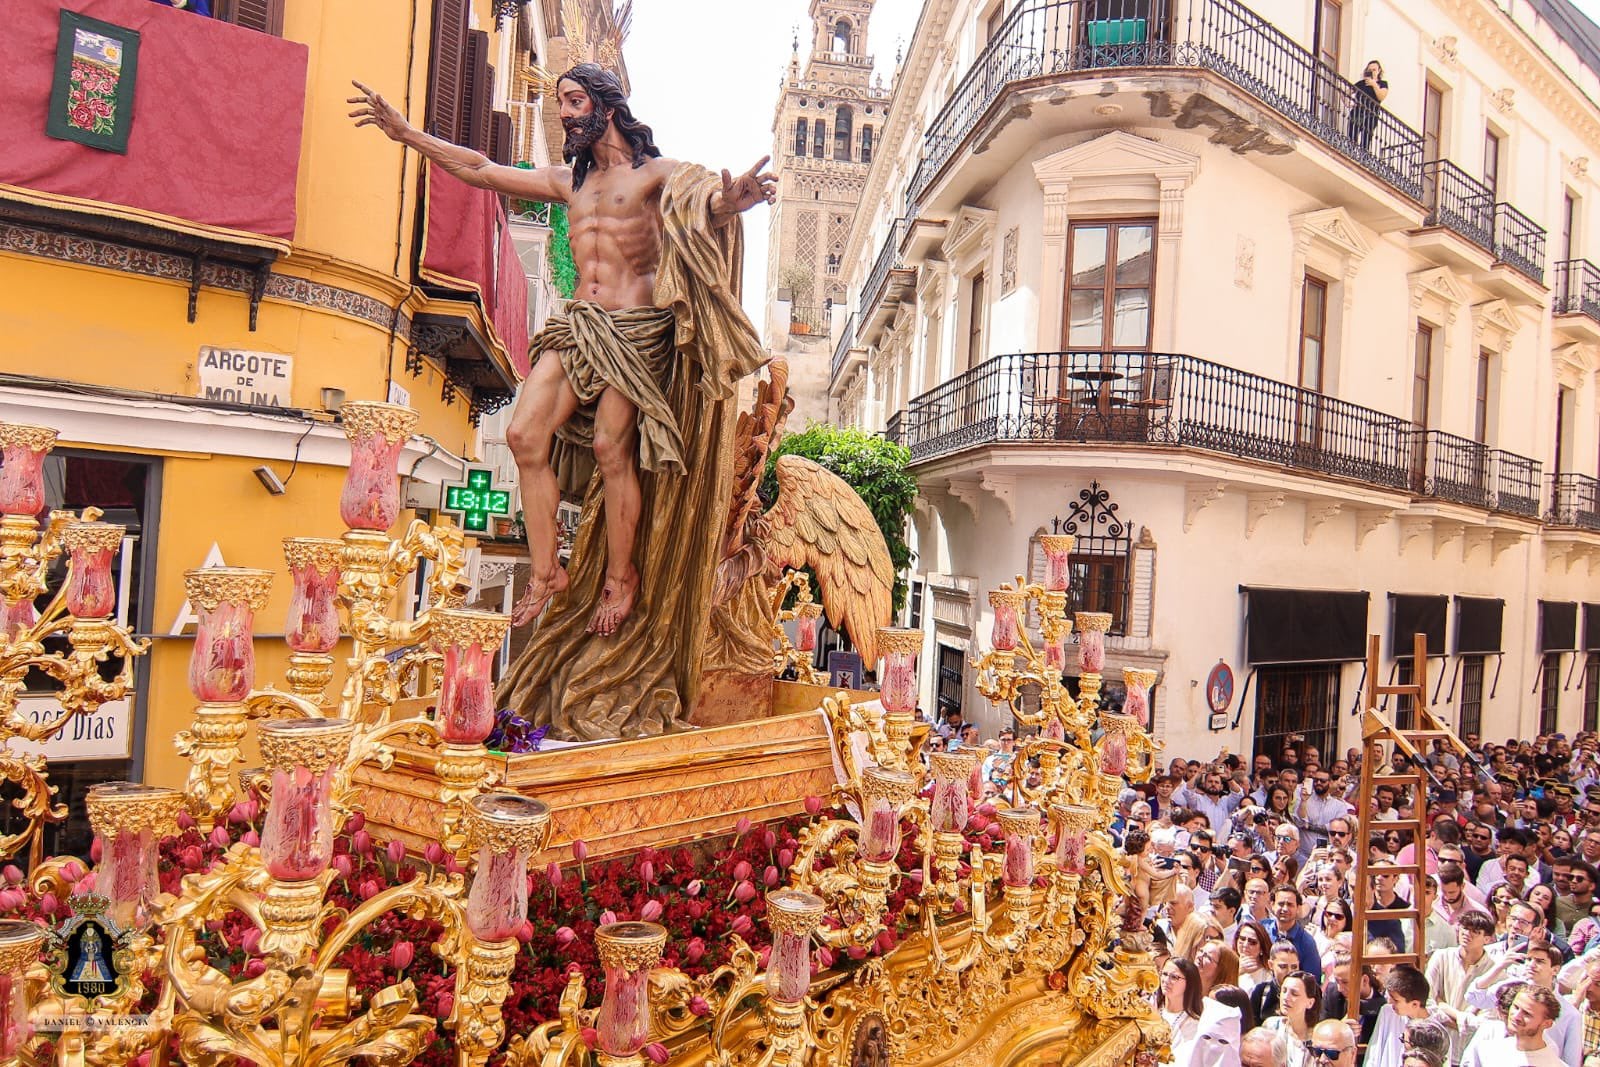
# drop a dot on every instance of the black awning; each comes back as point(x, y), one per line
point(1478, 622)
point(1411, 615)
point(1591, 627)
point(1305, 626)
point(1558, 626)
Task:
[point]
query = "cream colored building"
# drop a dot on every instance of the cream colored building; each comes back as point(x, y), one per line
point(1294, 370)
point(825, 130)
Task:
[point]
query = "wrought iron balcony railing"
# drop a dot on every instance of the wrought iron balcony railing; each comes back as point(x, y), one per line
point(1458, 202)
point(888, 259)
point(1157, 399)
point(1518, 241)
point(841, 348)
point(1447, 467)
point(1180, 401)
point(892, 431)
point(1577, 289)
point(1052, 37)
point(1516, 483)
point(806, 320)
point(1575, 501)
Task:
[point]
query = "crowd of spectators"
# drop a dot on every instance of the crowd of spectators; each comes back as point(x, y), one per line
point(1248, 867)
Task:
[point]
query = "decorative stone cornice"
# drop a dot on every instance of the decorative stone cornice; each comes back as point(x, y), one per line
point(1512, 46)
point(970, 234)
point(1494, 324)
point(1369, 520)
point(1319, 512)
point(1436, 290)
point(1260, 506)
point(1197, 497)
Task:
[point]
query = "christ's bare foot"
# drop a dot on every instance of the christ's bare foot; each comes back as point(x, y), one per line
point(538, 593)
point(616, 601)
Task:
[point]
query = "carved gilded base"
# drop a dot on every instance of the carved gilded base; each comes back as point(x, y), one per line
point(729, 697)
point(622, 796)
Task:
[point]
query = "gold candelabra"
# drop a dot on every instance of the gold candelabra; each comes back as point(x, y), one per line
point(81, 610)
point(295, 1006)
point(1030, 910)
point(806, 615)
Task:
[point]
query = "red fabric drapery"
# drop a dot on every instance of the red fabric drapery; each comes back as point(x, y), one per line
point(217, 116)
point(468, 246)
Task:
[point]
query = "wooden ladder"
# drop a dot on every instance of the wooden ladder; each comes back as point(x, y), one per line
point(1380, 737)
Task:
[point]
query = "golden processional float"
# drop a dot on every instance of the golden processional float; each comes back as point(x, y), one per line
point(888, 917)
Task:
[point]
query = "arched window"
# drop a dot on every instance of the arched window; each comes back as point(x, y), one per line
point(841, 35)
point(842, 119)
point(819, 138)
point(866, 144)
point(801, 127)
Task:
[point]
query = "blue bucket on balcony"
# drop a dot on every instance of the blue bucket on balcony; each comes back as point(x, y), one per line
point(1106, 32)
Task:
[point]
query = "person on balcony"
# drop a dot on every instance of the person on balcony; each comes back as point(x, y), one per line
point(1370, 93)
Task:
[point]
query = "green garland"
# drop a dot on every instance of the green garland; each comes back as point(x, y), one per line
point(562, 270)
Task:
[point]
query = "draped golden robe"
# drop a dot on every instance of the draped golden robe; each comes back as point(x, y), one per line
point(643, 679)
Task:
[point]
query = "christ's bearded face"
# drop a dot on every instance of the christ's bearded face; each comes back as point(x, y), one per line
point(583, 122)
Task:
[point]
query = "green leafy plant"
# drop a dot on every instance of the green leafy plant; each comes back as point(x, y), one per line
point(563, 272)
point(875, 468)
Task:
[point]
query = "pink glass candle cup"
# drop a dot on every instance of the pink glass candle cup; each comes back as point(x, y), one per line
point(898, 683)
point(504, 831)
point(1114, 744)
point(1092, 627)
point(1136, 702)
point(20, 944)
point(1019, 826)
point(1008, 605)
point(807, 618)
point(222, 667)
point(22, 452)
point(377, 433)
point(793, 916)
point(313, 625)
point(883, 791)
point(304, 755)
point(130, 820)
point(951, 805)
point(91, 591)
point(16, 617)
point(1073, 823)
point(469, 641)
point(628, 950)
point(1057, 561)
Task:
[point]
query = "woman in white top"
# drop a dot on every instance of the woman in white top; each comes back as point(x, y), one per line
point(1336, 918)
point(1252, 945)
point(1301, 1004)
point(1180, 1001)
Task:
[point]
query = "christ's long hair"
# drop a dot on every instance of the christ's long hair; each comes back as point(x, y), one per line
point(605, 90)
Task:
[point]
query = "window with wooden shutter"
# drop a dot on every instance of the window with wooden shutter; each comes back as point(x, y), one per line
point(263, 15)
point(500, 138)
point(477, 93)
point(447, 68)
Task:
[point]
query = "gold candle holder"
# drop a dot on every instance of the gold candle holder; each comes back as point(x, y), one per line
point(220, 724)
point(469, 640)
point(899, 647)
point(130, 820)
point(303, 756)
point(628, 952)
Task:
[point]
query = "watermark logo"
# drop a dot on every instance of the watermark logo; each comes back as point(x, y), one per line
point(88, 955)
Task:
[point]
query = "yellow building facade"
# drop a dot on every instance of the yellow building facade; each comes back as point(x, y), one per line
point(112, 339)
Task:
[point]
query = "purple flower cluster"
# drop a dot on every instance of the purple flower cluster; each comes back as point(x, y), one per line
point(514, 734)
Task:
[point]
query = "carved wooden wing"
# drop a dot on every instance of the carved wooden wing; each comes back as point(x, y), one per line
point(820, 522)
